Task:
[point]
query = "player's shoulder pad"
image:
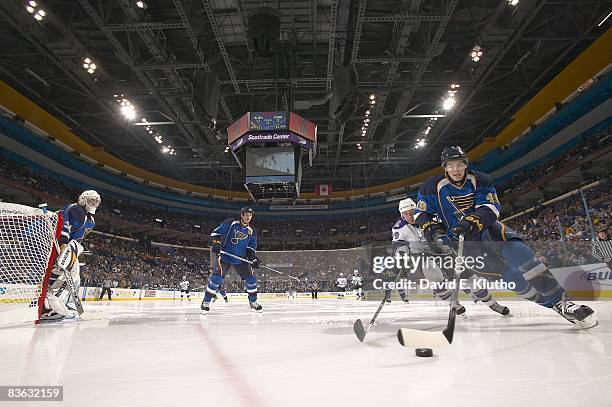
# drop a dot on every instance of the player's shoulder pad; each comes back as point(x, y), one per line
point(482, 179)
point(430, 186)
point(228, 221)
point(76, 209)
point(251, 231)
point(400, 223)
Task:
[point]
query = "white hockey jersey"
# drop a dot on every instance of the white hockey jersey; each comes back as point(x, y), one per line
point(184, 284)
point(412, 235)
point(356, 281)
point(341, 282)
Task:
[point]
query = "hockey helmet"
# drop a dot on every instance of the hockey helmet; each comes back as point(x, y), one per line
point(406, 205)
point(246, 209)
point(356, 272)
point(90, 200)
point(453, 153)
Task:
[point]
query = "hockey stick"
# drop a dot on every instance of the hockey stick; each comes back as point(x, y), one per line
point(358, 327)
point(417, 338)
point(261, 265)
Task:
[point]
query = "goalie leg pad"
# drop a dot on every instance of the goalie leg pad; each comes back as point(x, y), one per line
point(69, 256)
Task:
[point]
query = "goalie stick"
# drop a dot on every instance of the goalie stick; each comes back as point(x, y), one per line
point(417, 338)
point(261, 265)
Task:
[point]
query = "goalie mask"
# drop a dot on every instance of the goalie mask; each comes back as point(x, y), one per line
point(90, 200)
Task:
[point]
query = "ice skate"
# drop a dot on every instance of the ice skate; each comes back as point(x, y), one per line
point(500, 309)
point(580, 315)
point(204, 308)
point(255, 306)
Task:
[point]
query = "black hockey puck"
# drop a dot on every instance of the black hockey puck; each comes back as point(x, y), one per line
point(423, 352)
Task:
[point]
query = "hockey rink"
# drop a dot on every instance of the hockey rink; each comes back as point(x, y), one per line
point(304, 353)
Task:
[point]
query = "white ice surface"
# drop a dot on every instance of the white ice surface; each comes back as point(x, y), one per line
point(305, 353)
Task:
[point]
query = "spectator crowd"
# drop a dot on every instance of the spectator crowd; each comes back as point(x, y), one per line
point(562, 233)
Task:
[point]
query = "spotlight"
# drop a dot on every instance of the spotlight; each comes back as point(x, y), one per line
point(127, 109)
point(38, 14)
point(141, 4)
point(476, 53)
point(89, 65)
point(513, 2)
point(448, 103)
point(372, 96)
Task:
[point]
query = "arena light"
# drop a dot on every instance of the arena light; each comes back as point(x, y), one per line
point(476, 53)
point(37, 13)
point(372, 97)
point(604, 20)
point(513, 2)
point(141, 4)
point(89, 65)
point(448, 103)
point(420, 143)
point(126, 108)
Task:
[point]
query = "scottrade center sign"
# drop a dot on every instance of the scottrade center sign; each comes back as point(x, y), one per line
point(271, 137)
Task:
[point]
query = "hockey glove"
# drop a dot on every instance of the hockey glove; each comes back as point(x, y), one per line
point(215, 246)
point(433, 231)
point(253, 258)
point(470, 226)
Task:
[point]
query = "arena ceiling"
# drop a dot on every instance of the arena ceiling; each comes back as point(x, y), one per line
point(406, 53)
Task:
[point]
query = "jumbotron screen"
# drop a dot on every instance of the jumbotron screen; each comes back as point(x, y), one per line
point(261, 162)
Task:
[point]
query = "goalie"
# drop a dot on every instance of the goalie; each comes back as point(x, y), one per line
point(78, 221)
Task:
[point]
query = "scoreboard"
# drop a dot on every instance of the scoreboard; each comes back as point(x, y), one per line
point(264, 121)
point(254, 123)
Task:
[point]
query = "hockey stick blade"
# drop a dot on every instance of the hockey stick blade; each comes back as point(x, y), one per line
point(416, 338)
point(359, 330)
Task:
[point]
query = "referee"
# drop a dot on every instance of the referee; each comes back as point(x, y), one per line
point(602, 248)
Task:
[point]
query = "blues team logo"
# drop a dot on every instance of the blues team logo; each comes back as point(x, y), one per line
point(238, 236)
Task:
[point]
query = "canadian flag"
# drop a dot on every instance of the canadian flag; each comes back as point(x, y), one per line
point(323, 189)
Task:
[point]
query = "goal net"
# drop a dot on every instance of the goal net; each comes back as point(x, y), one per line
point(27, 252)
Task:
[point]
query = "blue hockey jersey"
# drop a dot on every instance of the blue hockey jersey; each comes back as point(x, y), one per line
point(235, 239)
point(76, 224)
point(439, 197)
